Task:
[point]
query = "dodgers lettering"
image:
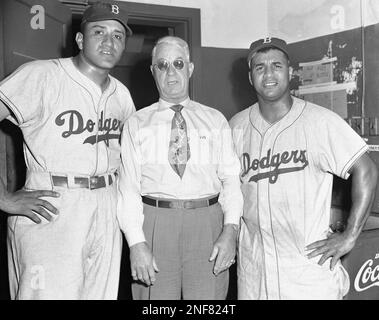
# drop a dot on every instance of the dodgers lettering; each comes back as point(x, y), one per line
point(273, 161)
point(76, 125)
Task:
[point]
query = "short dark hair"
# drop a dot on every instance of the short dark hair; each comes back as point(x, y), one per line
point(82, 27)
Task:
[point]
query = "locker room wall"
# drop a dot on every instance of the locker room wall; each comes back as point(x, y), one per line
point(226, 23)
point(225, 80)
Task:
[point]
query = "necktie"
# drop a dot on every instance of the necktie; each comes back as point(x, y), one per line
point(178, 150)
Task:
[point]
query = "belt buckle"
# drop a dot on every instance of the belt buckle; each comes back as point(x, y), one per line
point(96, 182)
point(174, 205)
point(92, 182)
point(177, 204)
point(187, 204)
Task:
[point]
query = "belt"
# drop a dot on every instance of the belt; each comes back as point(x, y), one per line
point(180, 204)
point(94, 182)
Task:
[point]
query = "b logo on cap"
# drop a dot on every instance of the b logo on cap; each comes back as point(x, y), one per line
point(115, 9)
point(267, 40)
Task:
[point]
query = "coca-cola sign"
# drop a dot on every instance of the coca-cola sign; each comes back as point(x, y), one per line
point(367, 276)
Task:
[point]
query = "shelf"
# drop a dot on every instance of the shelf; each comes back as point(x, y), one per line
point(322, 61)
point(326, 88)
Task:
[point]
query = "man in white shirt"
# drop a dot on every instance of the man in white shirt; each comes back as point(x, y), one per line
point(177, 156)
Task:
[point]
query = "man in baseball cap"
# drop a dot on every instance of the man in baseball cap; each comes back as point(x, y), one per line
point(77, 260)
point(268, 42)
point(289, 150)
point(106, 11)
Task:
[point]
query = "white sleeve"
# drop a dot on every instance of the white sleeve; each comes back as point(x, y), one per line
point(228, 171)
point(130, 107)
point(129, 204)
point(339, 147)
point(23, 92)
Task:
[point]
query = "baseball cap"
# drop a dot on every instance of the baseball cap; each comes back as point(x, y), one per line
point(100, 11)
point(268, 42)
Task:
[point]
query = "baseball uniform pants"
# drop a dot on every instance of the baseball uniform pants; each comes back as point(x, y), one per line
point(76, 255)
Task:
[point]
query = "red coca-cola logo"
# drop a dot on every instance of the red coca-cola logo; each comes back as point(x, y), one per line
point(367, 276)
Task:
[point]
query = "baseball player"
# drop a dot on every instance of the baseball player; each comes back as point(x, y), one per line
point(64, 241)
point(289, 149)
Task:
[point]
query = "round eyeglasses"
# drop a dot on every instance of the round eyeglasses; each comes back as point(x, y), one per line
point(163, 65)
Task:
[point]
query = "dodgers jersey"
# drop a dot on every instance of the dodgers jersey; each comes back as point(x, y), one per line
point(71, 128)
point(287, 182)
point(69, 124)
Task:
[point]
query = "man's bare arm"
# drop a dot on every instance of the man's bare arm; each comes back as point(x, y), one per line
point(364, 179)
point(25, 203)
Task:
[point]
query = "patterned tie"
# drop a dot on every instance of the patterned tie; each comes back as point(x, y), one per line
point(178, 150)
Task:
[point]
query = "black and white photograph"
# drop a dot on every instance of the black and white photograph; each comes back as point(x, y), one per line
point(189, 158)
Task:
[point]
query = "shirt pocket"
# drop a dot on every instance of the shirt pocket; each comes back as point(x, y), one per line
point(203, 148)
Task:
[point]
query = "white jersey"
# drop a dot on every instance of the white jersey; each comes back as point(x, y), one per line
point(71, 128)
point(287, 182)
point(69, 125)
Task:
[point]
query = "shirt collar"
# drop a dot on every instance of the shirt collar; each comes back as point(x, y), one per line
point(257, 120)
point(164, 105)
point(70, 68)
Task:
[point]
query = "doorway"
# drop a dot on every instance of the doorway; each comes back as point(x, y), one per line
point(148, 23)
